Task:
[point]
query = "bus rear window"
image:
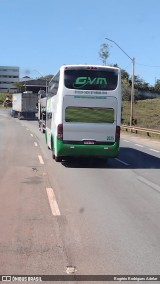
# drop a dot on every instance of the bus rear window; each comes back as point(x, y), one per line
point(89, 115)
point(85, 79)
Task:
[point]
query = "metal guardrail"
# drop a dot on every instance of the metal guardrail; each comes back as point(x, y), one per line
point(139, 129)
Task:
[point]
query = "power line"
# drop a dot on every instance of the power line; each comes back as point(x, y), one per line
point(152, 66)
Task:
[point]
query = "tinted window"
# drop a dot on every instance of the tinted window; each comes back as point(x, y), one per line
point(91, 79)
point(89, 115)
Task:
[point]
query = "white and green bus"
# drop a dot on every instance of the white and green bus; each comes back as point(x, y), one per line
point(83, 112)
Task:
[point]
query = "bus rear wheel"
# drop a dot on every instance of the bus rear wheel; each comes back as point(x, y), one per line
point(58, 159)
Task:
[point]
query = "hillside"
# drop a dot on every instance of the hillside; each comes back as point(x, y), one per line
point(147, 113)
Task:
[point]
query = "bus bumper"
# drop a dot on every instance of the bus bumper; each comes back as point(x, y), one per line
point(74, 150)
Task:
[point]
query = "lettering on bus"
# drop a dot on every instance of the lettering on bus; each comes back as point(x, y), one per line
point(83, 81)
point(91, 92)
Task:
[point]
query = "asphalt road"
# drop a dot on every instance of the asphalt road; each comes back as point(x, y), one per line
point(84, 217)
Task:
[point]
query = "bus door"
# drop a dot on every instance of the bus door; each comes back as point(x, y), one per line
point(89, 120)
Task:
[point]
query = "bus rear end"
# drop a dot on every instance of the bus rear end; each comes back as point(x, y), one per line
point(91, 111)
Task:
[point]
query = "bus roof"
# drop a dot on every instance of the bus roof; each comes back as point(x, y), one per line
point(88, 66)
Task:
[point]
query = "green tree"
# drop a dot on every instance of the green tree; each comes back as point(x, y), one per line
point(157, 86)
point(126, 90)
point(20, 87)
point(104, 53)
point(139, 83)
point(126, 87)
point(124, 75)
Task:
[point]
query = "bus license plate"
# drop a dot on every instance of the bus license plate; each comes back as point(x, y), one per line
point(89, 142)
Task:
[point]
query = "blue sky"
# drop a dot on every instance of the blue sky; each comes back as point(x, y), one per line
point(42, 35)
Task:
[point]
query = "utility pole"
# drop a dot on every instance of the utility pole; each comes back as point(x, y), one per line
point(132, 88)
point(132, 94)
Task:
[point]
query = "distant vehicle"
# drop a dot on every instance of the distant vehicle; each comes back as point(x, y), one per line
point(24, 105)
point(83, 114)
point(42, 114)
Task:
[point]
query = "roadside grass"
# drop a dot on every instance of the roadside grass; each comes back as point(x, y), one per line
point(3, 96)
point(147, 113)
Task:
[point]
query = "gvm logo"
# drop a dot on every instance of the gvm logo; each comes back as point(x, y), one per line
point(83, 81)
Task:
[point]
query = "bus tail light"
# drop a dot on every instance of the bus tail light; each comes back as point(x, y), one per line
point(91, 67)
point(117, 133)
point(60, 132)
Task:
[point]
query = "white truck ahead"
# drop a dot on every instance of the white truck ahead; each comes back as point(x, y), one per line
point(24, 105)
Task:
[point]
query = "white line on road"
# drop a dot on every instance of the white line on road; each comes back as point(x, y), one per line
point(139, 145)
point(31, 134)
point(149, 183)
point(41, 160)
point(154, 150)
point(35, 144)
point(126, 141)
point(124, 163)
point(52, 201)
point(27, 129)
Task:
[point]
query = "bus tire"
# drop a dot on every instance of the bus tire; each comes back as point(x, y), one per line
point(58, 159)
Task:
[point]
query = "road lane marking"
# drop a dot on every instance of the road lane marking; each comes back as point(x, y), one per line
point(41, 160)
point(53, 203)
point(35, 144)
point(31, 134)
point(126, 141)
point(27, 129)
point(71, 269)
point(139, 145)
point(124, 163)
point(149, 183)
point(154, 150)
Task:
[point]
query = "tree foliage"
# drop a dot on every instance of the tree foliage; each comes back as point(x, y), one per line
point(124, 75)
point(139, 83)
point(104, 53)
point(157, 86)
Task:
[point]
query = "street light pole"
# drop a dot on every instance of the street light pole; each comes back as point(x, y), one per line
point(132, 88)
point(132, 93)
